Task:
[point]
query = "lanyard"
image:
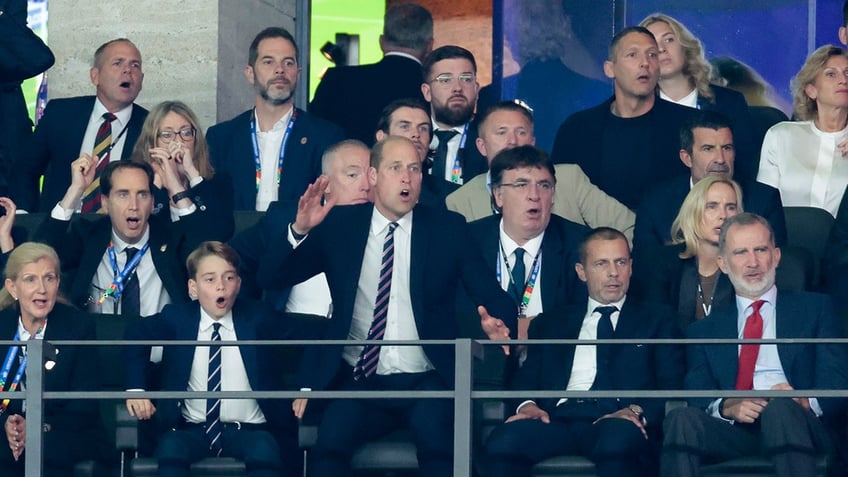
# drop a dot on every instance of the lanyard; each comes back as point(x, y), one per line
point(529, 286)
point(7, 367)
point(117, 286)
point(456, 170)
point(254, 135)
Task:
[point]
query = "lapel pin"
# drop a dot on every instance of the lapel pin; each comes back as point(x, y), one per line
point(303, 140)
point(163, 248)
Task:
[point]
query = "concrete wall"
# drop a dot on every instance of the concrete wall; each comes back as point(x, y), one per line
point(192, 50)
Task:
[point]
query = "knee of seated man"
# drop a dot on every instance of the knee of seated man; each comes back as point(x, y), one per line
point(684, 424)
point(262, 447)
point(172, 448)
point(781, 411)
point(618, 438)
point(507, 439)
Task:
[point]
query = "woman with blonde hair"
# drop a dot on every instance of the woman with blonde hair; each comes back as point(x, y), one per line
point(31, 309)
point(685, 79)
point(807, 160)
point(685, 273)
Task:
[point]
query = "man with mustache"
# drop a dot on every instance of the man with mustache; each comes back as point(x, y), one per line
point(272, 151)
point(790, 431)
point(71, 126)
point(706, 148)
point(450, 86)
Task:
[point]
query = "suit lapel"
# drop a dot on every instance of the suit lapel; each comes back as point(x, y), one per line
point(785, 316)
point(689, 281)
point(420, 245)
point(552, 265)
point(246, 330)
point(95, 246)
point(725, 358)
point(188, 324)
point(562, 356)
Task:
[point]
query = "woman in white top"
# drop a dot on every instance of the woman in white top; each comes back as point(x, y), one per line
point(807, 161)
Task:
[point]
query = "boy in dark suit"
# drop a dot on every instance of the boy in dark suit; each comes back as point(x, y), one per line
point(259, 432)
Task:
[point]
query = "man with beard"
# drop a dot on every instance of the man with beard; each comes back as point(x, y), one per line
point(450, 86)
point(707, 149)
point(273, 151)
point(791, 431)
point(105, 125)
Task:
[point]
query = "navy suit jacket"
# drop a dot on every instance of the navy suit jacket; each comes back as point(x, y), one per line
point(806, 366)
point(441, 261)
point(252, 321)
point(55, 145)
point(81, 244)
point(473, 164)
point(660, 206)
point(633, 366)
point(560, 251)
point(733, 106)
point(231, 153)
point(354, 96)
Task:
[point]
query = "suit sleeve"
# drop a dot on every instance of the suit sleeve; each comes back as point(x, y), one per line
point(62, 236)
point(83, 377)
point(669, 366)
point(284, 266)
point(699, 375)
point(32, 162)
point(770, 158)
point(599, 209)
point(22, 53)
point(831, 360)
point(323, 104)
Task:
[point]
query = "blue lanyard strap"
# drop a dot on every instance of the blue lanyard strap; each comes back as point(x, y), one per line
point(257, 159)
point(7, 367)
point(529, 286)
point(117, 286)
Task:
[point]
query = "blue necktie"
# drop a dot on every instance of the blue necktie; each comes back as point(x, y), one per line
point(213, 406)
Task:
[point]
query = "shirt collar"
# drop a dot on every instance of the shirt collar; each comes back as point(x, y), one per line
point(122, 115)
point(690, 99)
point(24, 335)
point(594, 304)
point(379, 223)
point(531, 247)
point(120, 245)
point(279, 125)
point(459, 129)
point(405, 55)
point(743, 303)
point(206, 321)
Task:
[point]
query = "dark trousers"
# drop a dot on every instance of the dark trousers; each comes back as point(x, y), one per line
point(791, 435)
point(62, 450)
point(347, 424)
point(179, 448)
point(616, 446)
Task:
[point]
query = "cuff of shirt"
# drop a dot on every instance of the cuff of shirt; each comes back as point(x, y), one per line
point(61, 213)
point(714, 409)
point(816, 407)
point(290, 236)
point(194, 182)
point(182, 212)
point(529, 401)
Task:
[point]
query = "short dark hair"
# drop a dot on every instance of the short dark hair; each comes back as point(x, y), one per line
point(109, 170)
point(701, 119)
point(408, 25)
point(208, 249)
point(521, 156)
point(742, 219)
point(616, 40)
point(447, 52)
point(600, 233)
point(385, 121)
point(270, 32)
point(502, 106)
point(98, 53)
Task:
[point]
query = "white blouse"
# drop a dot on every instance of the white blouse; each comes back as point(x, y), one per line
point(804, 164)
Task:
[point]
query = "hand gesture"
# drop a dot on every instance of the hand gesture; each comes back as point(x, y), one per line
point(531, 411)
point(165, 167)
point(6, 223)
point(804, 402)
point(742, 409)
point(299, 407)
point(83, 170)
point(141, 408)
point(16, 434)
point(494, 328)
point(626, 414)
point(310, 209)
point(182, 157)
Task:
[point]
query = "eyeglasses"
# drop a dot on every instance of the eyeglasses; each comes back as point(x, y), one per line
point(185, 134)
point(524, 186)
point(446, 79)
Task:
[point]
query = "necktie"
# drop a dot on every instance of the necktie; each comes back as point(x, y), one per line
point(131, 295)
point(602, 352)
point(519, 275)
point(102, 143)
point(366, 365)
point(749, 352)
point(213, 406)
point(441, 158)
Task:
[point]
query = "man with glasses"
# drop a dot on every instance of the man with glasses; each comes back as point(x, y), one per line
point(272, 151)
point(450, 86)
point(105, 126)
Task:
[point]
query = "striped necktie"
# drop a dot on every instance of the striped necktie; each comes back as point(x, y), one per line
point(213, 406)
point(102, 147)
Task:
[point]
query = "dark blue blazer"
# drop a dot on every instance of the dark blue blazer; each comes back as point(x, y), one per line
point(660, 206)
point(354, 96)
point(213, 196)
point(55, 145)
point(560, 251)
point(441, 261)
point(633, 366)
point(807, 366)
point(473, 164)
point(252, 321)
point(231, 154)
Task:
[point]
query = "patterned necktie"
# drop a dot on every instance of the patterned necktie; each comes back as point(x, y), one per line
point(213, 406)
point(131, 295)
point(102, 146)
point(519, 275)
point(440, 160)
point(749, 352)
point(366, 365)
point(602, 352)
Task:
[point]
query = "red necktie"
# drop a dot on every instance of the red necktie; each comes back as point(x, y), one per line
point(102, 148)
point(748, 354)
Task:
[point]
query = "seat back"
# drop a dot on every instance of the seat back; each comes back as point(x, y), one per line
point(808, 228)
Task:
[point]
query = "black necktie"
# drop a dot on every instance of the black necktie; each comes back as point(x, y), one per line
point(602, 352)
point(519, 274)
point(441, 158)
point(131, 296)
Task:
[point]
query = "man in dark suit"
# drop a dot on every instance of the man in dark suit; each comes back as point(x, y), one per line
point(272, 151)
point(450, 86)
point(707, 149)
point(70, 127)
point(393, 269)
point(789, 430)
point(259, 432)
point(354, 96)
point(523, 182)
point(127, 262)
point(629, 142)
point(620, 435)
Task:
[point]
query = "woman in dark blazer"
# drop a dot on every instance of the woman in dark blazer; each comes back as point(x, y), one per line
point(30, 309)
point(685, 273)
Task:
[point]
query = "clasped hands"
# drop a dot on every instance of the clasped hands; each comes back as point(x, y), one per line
point(16, 434)
point(748, 410)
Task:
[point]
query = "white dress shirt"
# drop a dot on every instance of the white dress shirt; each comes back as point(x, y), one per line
point(531, 249)
point(233, 376)
point(690, 100)
point(453, 149)
point(270, 143)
